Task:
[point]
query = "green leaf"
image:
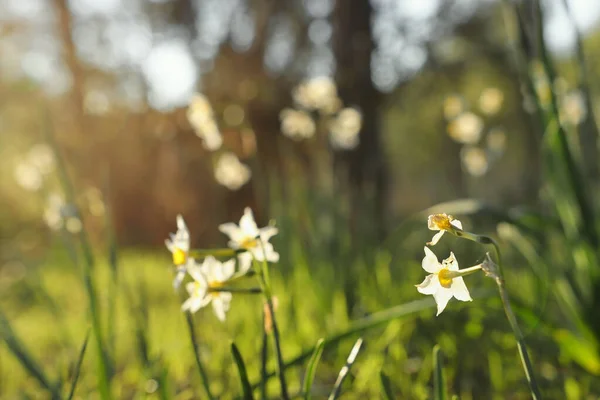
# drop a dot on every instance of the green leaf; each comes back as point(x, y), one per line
point(78, 366)
point(312, 368)
point(195, 348)
point(18, 349)
point(386, 385)
point(239, 362)
point(439, 383)
point(337, 388)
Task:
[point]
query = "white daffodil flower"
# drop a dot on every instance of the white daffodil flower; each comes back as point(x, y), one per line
point(179, 245)
point(445, 280)
point(442, 223)
point(210, 275)
point(247, 236)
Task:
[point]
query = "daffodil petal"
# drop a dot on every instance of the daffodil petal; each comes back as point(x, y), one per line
point(196, 272)
point(442, 297)
point(244, 262)
point(430, 285)
point(179, 276)
point(430, 262)
point(221, 305)
point(228, 269)
point(436, 238)
point(459, 290)
point(451, 262)
point(181, 223)
point(268, 232)
point(233, 231)
point(456, 223)
point(247, 223)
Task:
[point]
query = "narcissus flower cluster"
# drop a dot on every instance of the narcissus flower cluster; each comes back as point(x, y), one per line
point(445, 279)
point(210, 277)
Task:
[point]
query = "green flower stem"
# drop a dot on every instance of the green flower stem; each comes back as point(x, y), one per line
point(263, 274)
point(485, 240)
point(512, 320)
point(253, 290)
point(200, 253)
point(464, 271)
point(196, 348)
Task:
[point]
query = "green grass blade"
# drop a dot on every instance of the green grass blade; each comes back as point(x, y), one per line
point(439, 383)
point(337, 388)
point(241, 367)
point(386, 385)
point(196, 347)
point(372, 321)
point(19, 350)
point(264, 353)
point(312, 368)
point(78, 366)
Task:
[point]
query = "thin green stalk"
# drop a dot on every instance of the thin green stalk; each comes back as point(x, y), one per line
point(78, 366)
point(263, 361)
point(195, 347)
point(494, 270)
point(311, 369)
point(68, 188)
point(512, 320)
point(386, 386)
point(575, 177)
point(253, 290)
point(241, 367)
point(364, 324)
point(260, 272)
point(482, 239)
point(439, 383)
point(18, 349)
point(589, 141)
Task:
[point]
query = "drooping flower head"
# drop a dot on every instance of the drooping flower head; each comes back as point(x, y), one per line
point(179, 245)
point(247, 236)
point(208, 276)
point(442, 223)
point(445, 280)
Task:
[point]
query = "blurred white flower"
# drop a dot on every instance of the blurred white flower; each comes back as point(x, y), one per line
point(318, 93)
point(58, 211)
point(344, 129)
point(490, 101)
point(73, 225)
point(572, 108)
point(441, 223)
point(466, 128)
point(249, 237)
point(52, 214)
point(201, 117)
point(445, 280)
point(230, 172)
point(179, 245)
point(453, 106)
point(210, 275)
point(42, 157)
point(297, 125)
point(474, 160)
point(496, 141)
point(28, 176)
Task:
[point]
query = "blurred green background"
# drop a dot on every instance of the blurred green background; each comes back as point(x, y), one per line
point(340, 120)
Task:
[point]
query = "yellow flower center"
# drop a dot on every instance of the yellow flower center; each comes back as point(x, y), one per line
point(442, 222)
point(211, 286)
point(445, 277)
point(249, 243)
point(179, 256)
